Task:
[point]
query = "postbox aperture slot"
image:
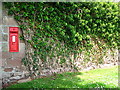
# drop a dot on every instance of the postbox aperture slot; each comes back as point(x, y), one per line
point(13, 38)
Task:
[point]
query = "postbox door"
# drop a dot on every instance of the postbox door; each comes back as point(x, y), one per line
point(13, 42)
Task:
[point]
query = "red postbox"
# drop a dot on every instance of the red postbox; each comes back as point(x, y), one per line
point(13, 39)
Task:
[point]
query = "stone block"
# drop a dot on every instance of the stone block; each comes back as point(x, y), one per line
point(15, 78)
point(3, 62)
point(0, 21)
point(24, 80)
point(5, 30)
point(4, 37)
point(6, 55)
point(5, 75)
point(13, 59)
point(4, 12)
point(5, 47)
point(18, 55)
point(0, 35)
point(18, 74)
point(14, 63)
point(0, 13)
point(1, 47)
point(0, 62)
point(8, 69)
point(1, 73)
point(7, 20)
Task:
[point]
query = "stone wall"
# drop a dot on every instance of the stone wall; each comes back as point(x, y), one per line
point(13, 70)
point(11, 61)
point(80, 63)
point(0, 44)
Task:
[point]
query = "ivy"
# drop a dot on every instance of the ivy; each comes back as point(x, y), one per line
point(56, 28)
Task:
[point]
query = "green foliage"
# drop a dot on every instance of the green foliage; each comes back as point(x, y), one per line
point(69, 23)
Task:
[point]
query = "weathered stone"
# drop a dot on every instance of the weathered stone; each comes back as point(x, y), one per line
point(0, 13)
point(4, 37)
point(5, 30)
point(19, 74)
point(24, 80)
point(26, 73)
point(8, 20)
point(5, 75)
point(5, 47)
point(89, 68)
point(8, 69)
point(14, 63)
point(1, 63)
point(107, 65)
point(0, 77)
point(11, 62)
point(15, 78)
point(6, 55)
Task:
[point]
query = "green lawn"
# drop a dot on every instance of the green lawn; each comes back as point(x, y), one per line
point(98, 78)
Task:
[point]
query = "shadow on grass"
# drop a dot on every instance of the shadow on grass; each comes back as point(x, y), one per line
point(65, 80)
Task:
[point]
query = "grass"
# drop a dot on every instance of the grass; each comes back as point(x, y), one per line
point(98, 78)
